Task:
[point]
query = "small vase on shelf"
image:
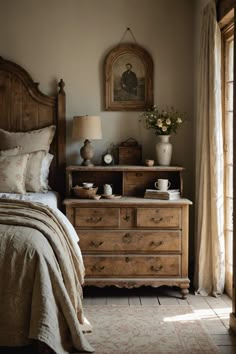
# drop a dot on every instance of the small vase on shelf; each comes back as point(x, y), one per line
point(164, 150)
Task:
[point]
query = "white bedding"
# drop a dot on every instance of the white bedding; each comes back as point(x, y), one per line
point(51, 198)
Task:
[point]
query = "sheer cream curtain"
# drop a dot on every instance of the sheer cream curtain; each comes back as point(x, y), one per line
point(209, 237)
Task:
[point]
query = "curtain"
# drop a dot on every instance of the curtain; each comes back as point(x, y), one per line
point(209, 237)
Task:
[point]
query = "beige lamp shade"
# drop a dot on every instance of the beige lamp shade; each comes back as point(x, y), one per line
point(87, 127)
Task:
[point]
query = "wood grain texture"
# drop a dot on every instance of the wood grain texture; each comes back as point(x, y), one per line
point(23, 107)
point(132, 265)
point(224, 8)
point(131, 241)
point(127, 241)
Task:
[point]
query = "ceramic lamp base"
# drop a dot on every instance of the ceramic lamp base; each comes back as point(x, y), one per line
point(87, 153)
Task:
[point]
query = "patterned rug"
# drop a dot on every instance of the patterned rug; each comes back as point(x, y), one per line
point(148, 329)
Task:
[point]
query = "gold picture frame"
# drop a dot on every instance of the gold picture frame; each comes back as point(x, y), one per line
point(128, 78)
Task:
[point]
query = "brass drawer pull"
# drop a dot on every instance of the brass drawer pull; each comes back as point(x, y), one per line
point(95, 219)
point(156, 269)
point(156, 221)
point(126, 218)
point(98, 268)
point(156, 244)
point(96, 244)
point(127, 238)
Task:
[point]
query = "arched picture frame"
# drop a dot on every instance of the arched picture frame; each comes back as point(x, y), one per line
point(128, 78)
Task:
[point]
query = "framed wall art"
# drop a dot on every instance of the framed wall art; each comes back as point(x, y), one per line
point(128, 78)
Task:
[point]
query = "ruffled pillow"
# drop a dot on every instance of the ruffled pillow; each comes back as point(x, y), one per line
point(11, 152)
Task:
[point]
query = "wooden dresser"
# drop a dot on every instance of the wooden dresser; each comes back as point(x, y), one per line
point(130, 241)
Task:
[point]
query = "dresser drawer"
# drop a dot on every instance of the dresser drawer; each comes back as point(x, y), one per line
point(159, 217)
point(129, 241)
point(137, 177)
point(132, 265)
point(97, 217)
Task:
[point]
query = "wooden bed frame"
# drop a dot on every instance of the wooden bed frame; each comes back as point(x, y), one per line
point(24, 107)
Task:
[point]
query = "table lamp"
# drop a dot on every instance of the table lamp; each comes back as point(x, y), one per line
point(87, 127)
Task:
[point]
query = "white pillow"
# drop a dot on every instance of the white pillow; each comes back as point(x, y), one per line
point(47, 160)
point(33, 173)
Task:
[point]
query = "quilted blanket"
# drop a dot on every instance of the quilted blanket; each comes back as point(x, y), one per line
point(41, 273)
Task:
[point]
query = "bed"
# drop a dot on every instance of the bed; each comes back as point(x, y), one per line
point(41, 267)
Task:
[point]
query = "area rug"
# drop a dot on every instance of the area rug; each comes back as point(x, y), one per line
point(148, 329)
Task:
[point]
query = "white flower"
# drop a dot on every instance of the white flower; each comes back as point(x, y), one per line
point(164, 129)
point(159, 123)
point(179, 120)
point(168, 121)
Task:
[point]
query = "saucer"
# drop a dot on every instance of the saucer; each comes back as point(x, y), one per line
point(96, 196)
point(111, 196)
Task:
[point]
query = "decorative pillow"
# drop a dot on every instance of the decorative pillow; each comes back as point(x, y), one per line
point(13, 173)
point(35, 142)
point(11, 152)
point(45, 172)
point(33, 173)
point(31, 141)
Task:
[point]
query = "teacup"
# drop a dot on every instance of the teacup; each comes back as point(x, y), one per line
point(87, 184)
point(162, 184)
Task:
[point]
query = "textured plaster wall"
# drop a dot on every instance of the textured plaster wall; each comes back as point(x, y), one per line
point(70, 39)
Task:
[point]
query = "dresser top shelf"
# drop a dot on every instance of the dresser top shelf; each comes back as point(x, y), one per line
point(121, 168)
point(128, 201)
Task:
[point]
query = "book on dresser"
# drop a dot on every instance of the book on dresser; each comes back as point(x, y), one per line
point(170, 194)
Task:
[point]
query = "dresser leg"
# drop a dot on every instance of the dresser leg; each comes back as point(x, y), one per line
point(184, 292)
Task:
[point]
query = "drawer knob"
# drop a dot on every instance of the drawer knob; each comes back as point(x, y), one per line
point(96, 244)
point(156, 244)
point(127, 238)
point(95, 219)
point(156, 220)
point(98, 268)
point(156, 269)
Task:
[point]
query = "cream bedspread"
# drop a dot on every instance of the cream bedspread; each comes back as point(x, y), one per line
point(40, 279)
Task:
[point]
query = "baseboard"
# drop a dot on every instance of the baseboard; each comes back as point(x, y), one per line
point(232, 322)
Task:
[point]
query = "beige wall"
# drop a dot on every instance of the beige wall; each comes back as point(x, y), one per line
point(56, 39)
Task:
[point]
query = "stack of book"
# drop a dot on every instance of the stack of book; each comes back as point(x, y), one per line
point(170, 194)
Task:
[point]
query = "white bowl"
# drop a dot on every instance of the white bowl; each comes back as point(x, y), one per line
point(87, 184)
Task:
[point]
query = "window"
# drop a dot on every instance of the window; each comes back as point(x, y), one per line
point(228, 49)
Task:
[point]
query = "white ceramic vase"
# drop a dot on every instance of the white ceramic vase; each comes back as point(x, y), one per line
point(164, 150)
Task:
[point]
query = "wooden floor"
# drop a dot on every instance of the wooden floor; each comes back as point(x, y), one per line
point(214, 312)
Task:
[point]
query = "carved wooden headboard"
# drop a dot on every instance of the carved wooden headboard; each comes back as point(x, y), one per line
point(24, 107)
